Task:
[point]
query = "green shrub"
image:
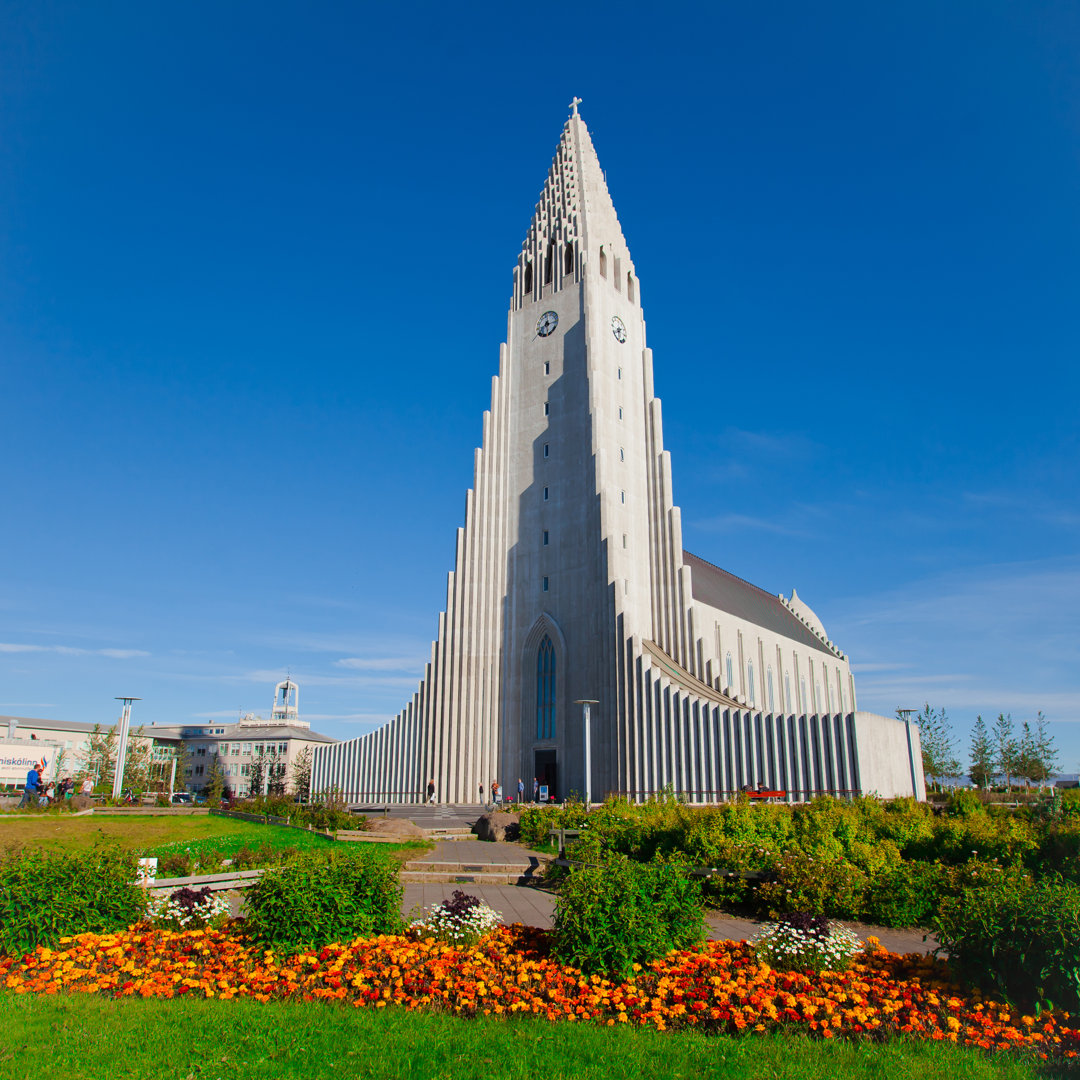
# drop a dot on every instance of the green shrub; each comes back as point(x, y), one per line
point(621, 913)
point(817, 886)
point(45, 897)
point(904, 895)
point(1018, 936)
point(318, 899)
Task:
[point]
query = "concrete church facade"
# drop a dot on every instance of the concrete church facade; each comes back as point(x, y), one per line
point(571, 584)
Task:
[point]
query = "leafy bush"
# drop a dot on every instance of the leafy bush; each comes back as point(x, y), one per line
point(612, 916)
point(1018, 936)
point(44, 897)
point(904, 895)
point(820, 886)
point(319, 899)
point(805, 942)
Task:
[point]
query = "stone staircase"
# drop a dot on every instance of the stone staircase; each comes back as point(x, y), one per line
point(449, 834)
point(525, 870)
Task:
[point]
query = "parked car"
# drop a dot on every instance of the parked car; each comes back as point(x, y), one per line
point(182, 797)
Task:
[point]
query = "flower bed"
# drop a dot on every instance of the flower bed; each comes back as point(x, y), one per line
point(721, 987)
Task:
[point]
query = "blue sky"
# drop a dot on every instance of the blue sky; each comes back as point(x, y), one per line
point(255, 262)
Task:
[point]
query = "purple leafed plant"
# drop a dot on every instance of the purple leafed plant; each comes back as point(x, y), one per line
point(813, 926)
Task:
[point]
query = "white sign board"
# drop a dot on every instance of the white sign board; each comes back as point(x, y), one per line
point(19, 756)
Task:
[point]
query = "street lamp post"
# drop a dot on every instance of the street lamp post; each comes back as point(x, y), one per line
point(586, 704)
point(121, 750)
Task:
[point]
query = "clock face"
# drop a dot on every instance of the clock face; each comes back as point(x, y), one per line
point(618, 329)
point(546, 323)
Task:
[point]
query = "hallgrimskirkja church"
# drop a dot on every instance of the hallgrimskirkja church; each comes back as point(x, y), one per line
point(581, 645)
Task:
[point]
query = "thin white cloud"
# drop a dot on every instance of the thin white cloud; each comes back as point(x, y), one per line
point(362, 663)
point(731, 523)
point(71, 650)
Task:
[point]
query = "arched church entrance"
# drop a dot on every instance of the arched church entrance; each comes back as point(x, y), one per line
point(543, 712)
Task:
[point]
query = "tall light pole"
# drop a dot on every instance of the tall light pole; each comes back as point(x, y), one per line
point(586, 704)
point(121, 750)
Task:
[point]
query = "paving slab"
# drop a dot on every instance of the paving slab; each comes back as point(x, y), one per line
point(479, 851)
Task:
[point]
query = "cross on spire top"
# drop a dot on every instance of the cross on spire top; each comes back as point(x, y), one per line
point(573, 106)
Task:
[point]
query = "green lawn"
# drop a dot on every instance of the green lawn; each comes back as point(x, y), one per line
point(78, 1037)
point(154, 835)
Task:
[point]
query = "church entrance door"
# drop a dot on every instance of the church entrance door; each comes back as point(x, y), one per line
point(545, 770)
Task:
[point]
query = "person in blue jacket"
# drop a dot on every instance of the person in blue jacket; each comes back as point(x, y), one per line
point(33, 785)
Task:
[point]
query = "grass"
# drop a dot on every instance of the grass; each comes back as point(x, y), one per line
point(157, 834)
point(79, 1037)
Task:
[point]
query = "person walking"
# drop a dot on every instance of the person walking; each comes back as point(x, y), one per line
point(521, 791)
point(30, 791)
point(431, 790)
point(496, 796)
point(536, 790)
point(481, 792)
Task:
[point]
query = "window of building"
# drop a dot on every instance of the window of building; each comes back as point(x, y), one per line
point(802, 687)
point(258, 748)
point(201, 752)
point(622, 496)
point(245, 770)
point(769, 690)
point(545, 584)
point(619, 373)
point(547, 408)
point(620, 412)
point(547, 450)
point(282, 747)
point(545, 494)
point(603, 263)
point(247, 748)
point(750, 680)
point(198, 770)
point(547, 367)
point(730, 671)
point(545, 690)
point(630, 287)
point(234, 749)
point(787, 691)
point(545, 538)
point(624, 540)
point(569, 268)
point(818, 700)
point(622, 454)
point(549, 263)
point(528, 277)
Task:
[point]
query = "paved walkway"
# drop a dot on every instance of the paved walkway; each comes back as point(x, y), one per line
point(535, 907)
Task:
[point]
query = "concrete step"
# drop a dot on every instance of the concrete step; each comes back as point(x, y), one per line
point(449, 834)
point(491, 877)
point(479, 866)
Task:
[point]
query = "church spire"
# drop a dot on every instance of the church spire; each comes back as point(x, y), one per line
point(574, 223)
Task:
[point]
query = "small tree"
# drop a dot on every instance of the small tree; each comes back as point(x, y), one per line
point(981, 755)
point(215, 781)
point(257, 776)
point(99, 757)
point(275, 773)
point(301, 774)
point(1006, 748)
point(938, 753)
point(1046, 753)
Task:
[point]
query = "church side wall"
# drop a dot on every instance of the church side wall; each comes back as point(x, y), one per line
point(890, 756)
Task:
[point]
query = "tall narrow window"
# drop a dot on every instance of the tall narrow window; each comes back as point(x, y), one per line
point(545, 538)
point(547, 367)
point(545, 584)
point(769, 689)
point(622, 496)
point(620, 373)
point(545, 690)
point(630, 287)
point(547, 450)
point(528, 277)
point(624, 540)
point(603, 263)
point(620, 412)
point(549, 263)
point(750, 680)
point(545, 494)
point(802, 687)
point(547, 408)
point(622, 454)
point(819, 704)
point(787, 691)
point(730, 671)
point(569, 258)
